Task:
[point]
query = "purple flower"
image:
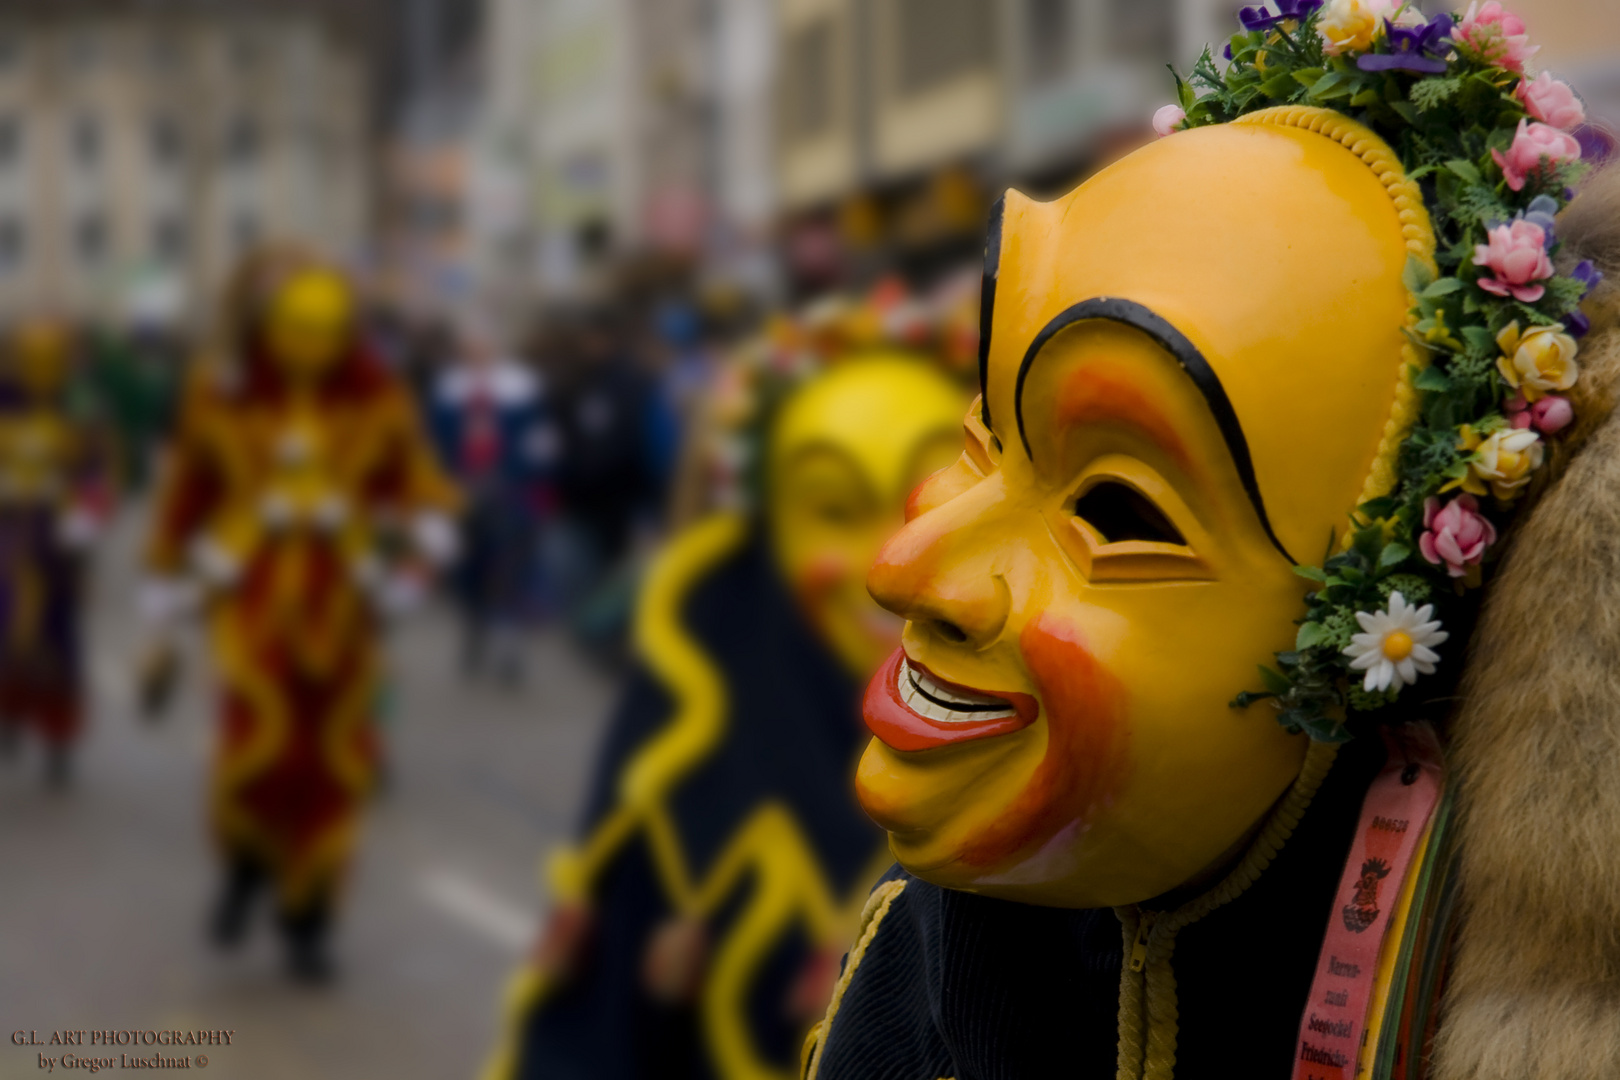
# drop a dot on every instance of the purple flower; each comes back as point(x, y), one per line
point(1587, 275)
point(1543, 211)
point(1260, 18)
point(1576, 321)
point(1412, 49)
point(1598, 144)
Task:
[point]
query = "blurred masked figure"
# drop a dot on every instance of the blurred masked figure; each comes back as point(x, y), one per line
point(302, 503)
point(698, 920)
point(53, 499)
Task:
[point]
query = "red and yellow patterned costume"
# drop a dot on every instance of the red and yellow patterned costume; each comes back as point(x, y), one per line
point(291, 471)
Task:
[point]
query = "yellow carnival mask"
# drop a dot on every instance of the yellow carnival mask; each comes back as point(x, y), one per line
point(844, 452)
point(1181, 399)
point(309, 322)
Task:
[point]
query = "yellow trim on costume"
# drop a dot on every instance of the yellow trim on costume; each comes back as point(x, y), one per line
point(679, 663)
point(788, 886)
point(697, 724)
point(768, 850)
point(1389, 954)
point(1418, 232)
point(872, 916)
point(267, 732)
point(522, 993)
point(329, 853)
point(1148, 1016)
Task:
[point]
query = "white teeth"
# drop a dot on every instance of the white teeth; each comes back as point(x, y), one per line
point(925, 697)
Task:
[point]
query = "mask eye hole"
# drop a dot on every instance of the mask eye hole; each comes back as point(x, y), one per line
point(1119, 512)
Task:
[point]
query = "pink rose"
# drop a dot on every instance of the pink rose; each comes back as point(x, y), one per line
point(1456, 536)
point(1535, 146)
point(1166, 119)
point(1551, 414)
point(1517, 255)
point(1494, 34)
point(1551, 101)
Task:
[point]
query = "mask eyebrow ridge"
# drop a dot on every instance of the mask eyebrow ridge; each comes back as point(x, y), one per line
point(987, 304)
point(1190, 360)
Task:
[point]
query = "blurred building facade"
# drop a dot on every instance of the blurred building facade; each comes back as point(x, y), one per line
point(581, 138)
point(753, 135)
point(431, 56)
point(144, 146)
point(623, 128)
point(740, 134)
point(898, 120)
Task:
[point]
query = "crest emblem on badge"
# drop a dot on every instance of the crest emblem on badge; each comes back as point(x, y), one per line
point(1362, 911)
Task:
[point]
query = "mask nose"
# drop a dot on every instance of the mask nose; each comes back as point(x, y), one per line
point(936, 573)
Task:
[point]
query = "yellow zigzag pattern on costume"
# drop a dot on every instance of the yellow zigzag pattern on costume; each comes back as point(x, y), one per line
point(769, 850)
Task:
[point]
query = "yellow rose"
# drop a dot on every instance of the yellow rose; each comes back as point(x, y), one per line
point(1352, 25)
point(1503, 463)
point(1538, 362)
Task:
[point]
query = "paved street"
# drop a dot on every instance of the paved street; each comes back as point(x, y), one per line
point(103, 889)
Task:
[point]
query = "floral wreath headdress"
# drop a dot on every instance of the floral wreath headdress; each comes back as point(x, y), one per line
point(1493, 330)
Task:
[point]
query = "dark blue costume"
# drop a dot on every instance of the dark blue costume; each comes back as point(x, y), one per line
point(492, 429)
point(956, 985)
point(791, 735)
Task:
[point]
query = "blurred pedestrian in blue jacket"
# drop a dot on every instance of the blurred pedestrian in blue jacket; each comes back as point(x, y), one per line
point(489, 416)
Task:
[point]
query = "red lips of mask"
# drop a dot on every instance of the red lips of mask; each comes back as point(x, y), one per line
point(895, 724)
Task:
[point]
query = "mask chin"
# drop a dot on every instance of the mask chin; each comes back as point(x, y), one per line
point(305, 354)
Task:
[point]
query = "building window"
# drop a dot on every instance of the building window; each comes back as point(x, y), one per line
point(12, 244)
point(86, 139)
point(163, 137)
point(10, 141)
point(1048, 26)
point(808, 79)
point(242, 141)
point(168, 239)
point(941, 40)
point(90, 238)
point(1144, 28)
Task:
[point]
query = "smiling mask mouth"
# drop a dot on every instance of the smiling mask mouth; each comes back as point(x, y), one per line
point(908, 708)
point(928, 697)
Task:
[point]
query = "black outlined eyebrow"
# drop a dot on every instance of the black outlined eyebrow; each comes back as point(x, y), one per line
point(987, 303)
point(1186, 354)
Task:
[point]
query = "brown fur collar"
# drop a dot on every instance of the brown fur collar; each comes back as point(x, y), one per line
point(1535, 986)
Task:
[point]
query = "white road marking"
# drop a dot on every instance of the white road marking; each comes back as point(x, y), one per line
point(494, 918)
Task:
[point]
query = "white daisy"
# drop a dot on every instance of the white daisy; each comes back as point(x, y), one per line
point(1397, 646)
